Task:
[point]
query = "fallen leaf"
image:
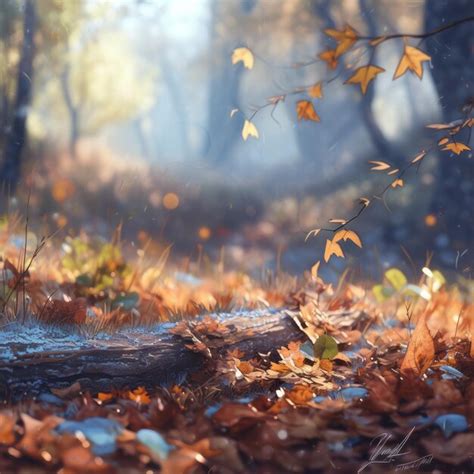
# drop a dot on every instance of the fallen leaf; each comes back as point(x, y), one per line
point(421, 350)
point(325, 347)
point(364, 75)
point(249, 130)
point(412, 59)
point(306, 111)
point(244, 55)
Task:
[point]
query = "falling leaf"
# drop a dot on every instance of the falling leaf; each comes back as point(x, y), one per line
point(314, 270)
point(249, 130)
point(329, 57)
point(316, 91)
point(325, 347)
point(332, 248)
point(345, 38)
point(456, 147)
point(397, 182)
point(364, 75)
point(379, 166)
point(345, 235)
point(421, 350)
point(244, 55)
point(412, 59)
point(418, 157)
point(305, 111)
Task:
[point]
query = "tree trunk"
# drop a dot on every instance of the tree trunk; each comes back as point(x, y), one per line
point(10, 170)
point(74, 131)
point(132, 357)
point(453, 75)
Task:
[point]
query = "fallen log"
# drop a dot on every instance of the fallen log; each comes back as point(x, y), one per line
point(35, 358)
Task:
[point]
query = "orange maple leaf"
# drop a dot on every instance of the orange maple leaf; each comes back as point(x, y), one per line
point(306, 111)
point(345, 38)
point(329, 57)
point(364, 75)
point(332, 248)
point(412, 59)
point(456, 147)
point(345, 234)
point(316, 91)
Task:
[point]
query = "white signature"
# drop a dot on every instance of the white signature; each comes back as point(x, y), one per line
point(383, 454)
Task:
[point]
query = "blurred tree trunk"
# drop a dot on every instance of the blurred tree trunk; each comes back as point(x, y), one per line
point(223, 131)
point(74, 130)
point(15, 141)
point(453, 75)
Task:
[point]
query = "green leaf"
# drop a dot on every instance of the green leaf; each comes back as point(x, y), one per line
point(382, 293)
point(126, 301)
point(325, 347)
point(84, 280)
point(396, 278)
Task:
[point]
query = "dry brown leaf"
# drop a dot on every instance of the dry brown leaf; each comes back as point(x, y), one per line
point(421, 350)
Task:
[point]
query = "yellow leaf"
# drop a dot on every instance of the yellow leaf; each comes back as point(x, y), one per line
point(345, 38)
point(329, 57)
point(397, 182)
point(457, 147)
point(305, 111)
point(412, 59)
point(421, 350)
point(316, 91)
point(419, 157)
point(244, 55)
point(379, 166)
point(332, 248)
point(314, 270)
point(345, 235)
point(364, 75)
point(249, 130)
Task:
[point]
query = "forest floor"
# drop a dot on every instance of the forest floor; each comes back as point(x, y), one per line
point(368, 377)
